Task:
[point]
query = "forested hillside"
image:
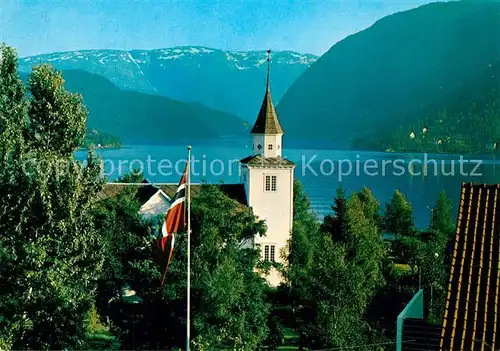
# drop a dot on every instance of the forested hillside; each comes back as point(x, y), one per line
point(407, 67)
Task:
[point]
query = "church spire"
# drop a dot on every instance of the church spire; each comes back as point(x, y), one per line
point(268, 83)
point(267, 120)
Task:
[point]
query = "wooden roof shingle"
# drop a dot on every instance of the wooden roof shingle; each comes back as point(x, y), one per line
point(267, 120)
point(472, 304)
point(260, 160)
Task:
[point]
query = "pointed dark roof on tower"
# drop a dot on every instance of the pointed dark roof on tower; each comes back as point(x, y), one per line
point(267, 120)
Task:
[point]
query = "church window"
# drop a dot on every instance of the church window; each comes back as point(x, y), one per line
point(269, 253)
point(270, 146)
point(270, 183)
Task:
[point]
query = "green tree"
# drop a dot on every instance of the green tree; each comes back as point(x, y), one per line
point(411, 250)
point(57, 117)
point(228, 296)
point(52, 253)
point(304, 236)
point(398, 217)
point(336, 300)
point(442, 219)
point(333, 297)
point(232, 312)
point(364, 243)
point(128, 241)
point(336, 224)
point(304, 241)
point(426, 252)
point(13, 104)
point(434, 279)
point(435, 244)
point(136, 176)
point(371, 207)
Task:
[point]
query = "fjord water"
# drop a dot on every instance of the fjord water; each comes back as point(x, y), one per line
point(381, 172)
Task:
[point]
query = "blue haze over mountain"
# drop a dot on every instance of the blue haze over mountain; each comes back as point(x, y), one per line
point(143, 118)
point(405, 67)
point(230, 81)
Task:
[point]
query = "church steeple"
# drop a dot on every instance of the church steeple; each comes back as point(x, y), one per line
point(267, 120)
point(268, 82)
point(268, 181)
point(267, 131)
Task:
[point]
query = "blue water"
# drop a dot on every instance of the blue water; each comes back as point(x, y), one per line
point(381, 172)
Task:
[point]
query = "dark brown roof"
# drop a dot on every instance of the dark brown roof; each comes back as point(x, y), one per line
point(260, 160)
point(146, 191)
point(111, 190)
point(233, 191)
point(471, 313)
point(267, 120)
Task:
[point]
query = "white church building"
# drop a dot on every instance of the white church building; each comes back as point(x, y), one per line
point(268, 181)
point(266, 187)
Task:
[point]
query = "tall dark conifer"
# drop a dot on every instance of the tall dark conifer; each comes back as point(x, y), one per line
point(336, 224)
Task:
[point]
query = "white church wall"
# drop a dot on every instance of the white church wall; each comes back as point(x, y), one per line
point(275, 207)
point(275, 142)
point(258, 139)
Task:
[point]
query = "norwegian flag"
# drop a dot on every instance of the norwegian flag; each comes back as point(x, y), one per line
point(175, 217)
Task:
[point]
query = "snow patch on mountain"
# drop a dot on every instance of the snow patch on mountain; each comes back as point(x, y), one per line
point(240, 59)
point(171, 57)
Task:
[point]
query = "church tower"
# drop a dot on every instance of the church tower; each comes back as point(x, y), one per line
point(268, 180)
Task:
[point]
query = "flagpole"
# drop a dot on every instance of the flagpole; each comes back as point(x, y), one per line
point(188, 319)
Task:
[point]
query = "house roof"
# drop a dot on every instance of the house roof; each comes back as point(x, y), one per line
point(471, 314)
point(267, 119)
point(260, 160)
point(233, 191)
point(146, 190)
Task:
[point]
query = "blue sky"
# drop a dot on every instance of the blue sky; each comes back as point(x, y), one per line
point(312, 26)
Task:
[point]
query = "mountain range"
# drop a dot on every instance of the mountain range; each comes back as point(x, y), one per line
point(135, 117)
point(231, 81)
point(405, 67)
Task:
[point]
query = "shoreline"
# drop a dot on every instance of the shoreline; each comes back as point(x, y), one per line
point(294, 145)
point(104, 148)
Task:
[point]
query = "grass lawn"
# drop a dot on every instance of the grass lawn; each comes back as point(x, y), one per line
point(103, 341)
point(402, 269)
point(402, 266)
point(291, 340)
point(288, 347)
